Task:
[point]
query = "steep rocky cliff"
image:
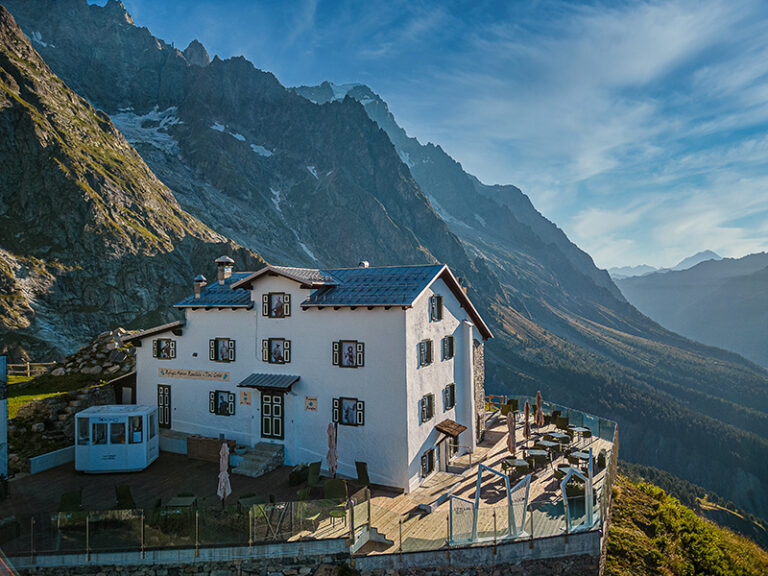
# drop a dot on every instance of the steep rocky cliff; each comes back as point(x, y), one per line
point(89, 237)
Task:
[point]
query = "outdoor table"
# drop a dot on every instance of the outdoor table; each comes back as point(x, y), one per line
point(580, 455)
point(547, 443)
point(181, 502)
point(514, 463)
point(558, 435)
point(536, 452)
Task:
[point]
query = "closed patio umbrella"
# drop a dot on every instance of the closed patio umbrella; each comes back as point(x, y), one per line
point(539, 410)
point(225, 489)
point(511, 440)
point(331, 456)
point(527, 424)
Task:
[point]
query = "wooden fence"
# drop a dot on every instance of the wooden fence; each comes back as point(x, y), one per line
point(29, 369)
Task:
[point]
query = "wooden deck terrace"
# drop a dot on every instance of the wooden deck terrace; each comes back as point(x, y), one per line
point(392, 513)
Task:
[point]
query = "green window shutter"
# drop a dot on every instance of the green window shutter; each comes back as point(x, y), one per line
point(360, 349)
point(424, 465)
point(336, 354)
point(424, 409)
point(286, 304)
point(231, 350)
point(212, 349)
point(265, 304)
point(172, 349)
point(335, 414)
point(439, 307)
point(231, 404)
point(265, 350)
point(286, 351)
point(428, 345)
point(360, 421)
point(155, 347)
point(212, 402)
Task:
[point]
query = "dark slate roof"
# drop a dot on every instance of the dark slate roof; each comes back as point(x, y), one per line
point(385, 286)
point(217, 295)
point(154, 331)
point(269, 381)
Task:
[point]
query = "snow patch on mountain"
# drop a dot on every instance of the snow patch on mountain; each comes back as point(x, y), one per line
point(237, 136)
point(150, 128)
point(341, 90)
point(313, 171)
point(406, 158)
point(261, 150)
point(218, 127)
point(481, 220)
point(38, 39)
point(304, 247)
point(276, 199)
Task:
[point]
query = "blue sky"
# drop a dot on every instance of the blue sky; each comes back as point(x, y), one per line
point(639, 128)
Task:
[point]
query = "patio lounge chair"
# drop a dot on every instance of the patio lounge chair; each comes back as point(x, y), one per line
point(313, 479)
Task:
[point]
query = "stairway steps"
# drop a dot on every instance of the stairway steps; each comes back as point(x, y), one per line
point(260, 459)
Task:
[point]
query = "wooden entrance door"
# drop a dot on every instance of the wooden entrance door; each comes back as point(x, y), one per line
point(272, 415)
point(164, 405)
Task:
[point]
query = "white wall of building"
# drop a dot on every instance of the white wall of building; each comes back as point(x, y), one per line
point(433, 378)
point(381, 441)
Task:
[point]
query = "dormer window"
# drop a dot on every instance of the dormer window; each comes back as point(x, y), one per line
point(276, 305)
point(221, 350)
point(435, 308)
point(164, 348)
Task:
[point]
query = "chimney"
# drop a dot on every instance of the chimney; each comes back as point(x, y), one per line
point(363, 264)
point(198, 285)
point(224, 265)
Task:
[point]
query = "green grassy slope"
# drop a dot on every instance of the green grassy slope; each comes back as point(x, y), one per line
point(652, 533)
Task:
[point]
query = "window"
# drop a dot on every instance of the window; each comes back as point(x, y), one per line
point(221, 350)
point(348, 411)
point(152, 425)
point(425, 352)
point(99, 433)
point(117, 433)
point(82, 431)
point(435, 308)
point(452, 447)
point(276, 351)
point(348, 354)
point(449, 396)
point(164, 348)
point(428, 462)
point(221, 403)
point(448, 349)
point(427, 405)
point(136, 424)
point(276, 305)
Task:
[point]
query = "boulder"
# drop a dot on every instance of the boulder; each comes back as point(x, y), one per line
point(60, 371)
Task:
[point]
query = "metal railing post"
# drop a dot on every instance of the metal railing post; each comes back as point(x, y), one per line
point(141, 534)
point(250, 528)
point(32, 536)
point(87, 537)
point(197, 534)
point(494, 531)
point(400, 547)
point(368, 497)
point(530, 513)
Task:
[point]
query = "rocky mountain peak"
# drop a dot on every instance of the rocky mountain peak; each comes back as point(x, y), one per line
point(117, 10)
point(196, 54)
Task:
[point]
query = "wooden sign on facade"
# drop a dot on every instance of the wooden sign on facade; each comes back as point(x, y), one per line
point(193, 374)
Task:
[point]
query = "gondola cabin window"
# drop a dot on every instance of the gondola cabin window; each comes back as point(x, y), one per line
point(164, 348)
point(276, 305)
point(221, 350)
point(348, 354)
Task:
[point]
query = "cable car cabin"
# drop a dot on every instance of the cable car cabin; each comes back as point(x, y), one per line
point(119, 438)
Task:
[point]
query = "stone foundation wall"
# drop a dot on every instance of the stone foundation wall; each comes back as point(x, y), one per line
point(478, 365)
point(570, 566)
point(49, 424)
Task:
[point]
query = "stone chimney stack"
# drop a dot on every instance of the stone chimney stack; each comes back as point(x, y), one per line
point(198, 285)
point(224, 265)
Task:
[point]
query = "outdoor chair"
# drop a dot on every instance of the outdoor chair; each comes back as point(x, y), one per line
point(303, 509)
point(335, 489)
point(362, 473)
point(124, 498)
point(313, 478)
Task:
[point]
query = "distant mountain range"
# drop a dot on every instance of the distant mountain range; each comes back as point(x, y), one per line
point(718, 302)
point(619, 272)
point(329, 184)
